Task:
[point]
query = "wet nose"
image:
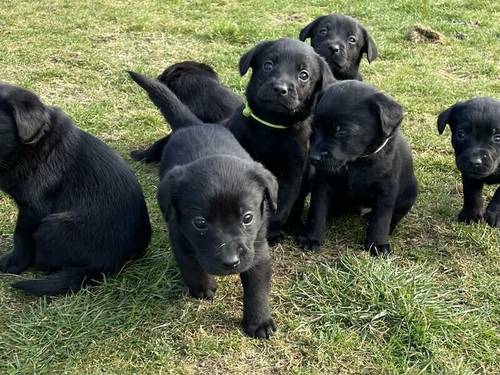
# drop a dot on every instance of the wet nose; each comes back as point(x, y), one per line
point(231, 262)
point(280, 89)
point(315, 157)
point(476, 162)
point(334, 48)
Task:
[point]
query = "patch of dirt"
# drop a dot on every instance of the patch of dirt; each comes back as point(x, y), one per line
point(424, 34)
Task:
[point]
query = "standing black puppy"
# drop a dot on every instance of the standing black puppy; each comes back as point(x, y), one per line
point(81, 210)
point(342, 41)
point(362, 162)
point(475, 127)
point(214, 198)
point(197, 85)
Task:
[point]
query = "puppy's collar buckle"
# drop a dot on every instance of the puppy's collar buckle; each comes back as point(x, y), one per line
point(378, 149)
point(247, 112)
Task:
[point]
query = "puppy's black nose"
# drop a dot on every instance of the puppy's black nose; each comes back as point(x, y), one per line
point(476, 162)
point(314, 157)
point(281, 89)
point(231, 263)
point(334, 48)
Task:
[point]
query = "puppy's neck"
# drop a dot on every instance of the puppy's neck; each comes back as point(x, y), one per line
point(279, 120)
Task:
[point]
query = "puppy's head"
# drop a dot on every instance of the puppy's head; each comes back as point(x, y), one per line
point(342, 41)
point(186, 68)
point(352, 120)
point(24, 120)
point(220, 206)
point(286, 77)
point(475, 128)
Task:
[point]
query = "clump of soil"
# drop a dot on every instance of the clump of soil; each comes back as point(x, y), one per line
point(423, 34)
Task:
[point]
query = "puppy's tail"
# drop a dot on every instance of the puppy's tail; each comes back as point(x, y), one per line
point(62, 282)
point(174, 111)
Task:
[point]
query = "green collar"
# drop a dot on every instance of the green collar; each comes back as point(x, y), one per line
point(247, 112)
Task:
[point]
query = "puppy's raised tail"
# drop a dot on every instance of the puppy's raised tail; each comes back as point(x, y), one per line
point(174, 111)
point(62, 282)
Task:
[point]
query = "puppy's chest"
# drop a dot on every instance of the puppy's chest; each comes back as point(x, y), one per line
point(362, 184)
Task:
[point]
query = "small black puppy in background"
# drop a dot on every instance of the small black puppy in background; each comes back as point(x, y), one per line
point(215, 199)
point(197, 85)
point(81, 209)
point(475, 128)
point(342, 41)
point(362, 162)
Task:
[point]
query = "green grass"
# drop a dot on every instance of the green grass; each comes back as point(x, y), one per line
point(433, 307)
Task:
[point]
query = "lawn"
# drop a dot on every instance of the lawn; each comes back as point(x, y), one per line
point(433, 307)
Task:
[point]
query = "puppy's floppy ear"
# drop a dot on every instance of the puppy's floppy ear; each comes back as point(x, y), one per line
point(370, 48)
point(390, 113)
point(307, 30)
point(444, 118)
point(169, 188)
point(269, 182)
point(247, 60)
point(327, 78)
point(30, 114)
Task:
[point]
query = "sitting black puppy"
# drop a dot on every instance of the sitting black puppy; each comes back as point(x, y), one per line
point(475, 127)
point(214, 198)
point(362, 162)
point(274, 128)
point(81, 209)
point(341, 40)
point(197, 85)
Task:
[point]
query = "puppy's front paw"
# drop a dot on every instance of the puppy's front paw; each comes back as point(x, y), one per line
point(309, 244)
point(204, 291)
point(492, 217)
point(260, 330)
point(275, 237)
point(469, 217)
point(13, 263)
point(382, 250)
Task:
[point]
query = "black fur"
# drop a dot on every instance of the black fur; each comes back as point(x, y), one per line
point(475, 128)
point(352, 122)
point(81, 210)
point(342, 41)
point(197, 86)
point(208, 179)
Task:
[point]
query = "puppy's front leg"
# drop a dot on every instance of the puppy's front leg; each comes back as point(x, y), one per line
point(473, 201)
point(257, 320)
point(377, 233)
point(317, 216)
point(19, 259)
point(492, 214)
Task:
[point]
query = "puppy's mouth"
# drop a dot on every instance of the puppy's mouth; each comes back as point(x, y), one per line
point(281, 105)
point(329, 165)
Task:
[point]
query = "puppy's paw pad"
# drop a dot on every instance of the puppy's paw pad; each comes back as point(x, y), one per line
point(261, 330)
point(379, 250)
point(275, 237)
point(308, 244)
point(469, 217)
point(492, 218)
point(11, 263)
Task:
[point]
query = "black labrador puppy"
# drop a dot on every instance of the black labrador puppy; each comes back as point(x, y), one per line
point(274, 127)
point(362, 162)
point(82, 213)
point(342, 41)
point(215, 199)
point(475, 127)
point(197, 85)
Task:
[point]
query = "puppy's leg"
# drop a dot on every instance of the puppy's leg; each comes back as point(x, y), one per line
point(317, 216)
point(379, 225)
point(403, 205)
point(23, 254)
point(257, 319)
point(473, 201)
point(152, 153)
point(201, 285)
point(492, 214)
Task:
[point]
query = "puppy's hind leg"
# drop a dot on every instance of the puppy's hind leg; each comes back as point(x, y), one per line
point(257, 320)
point(152, 153)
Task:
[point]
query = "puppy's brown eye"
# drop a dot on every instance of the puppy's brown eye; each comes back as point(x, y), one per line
point(200, 223)
point(268, 66)
point(460, 134)
point(323, 31)
point(352, 39)
point(496, 138)
point(304, 75)
point(247, 218)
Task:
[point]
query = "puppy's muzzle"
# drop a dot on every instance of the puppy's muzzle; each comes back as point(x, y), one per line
point(316, 157)
point(230, 262)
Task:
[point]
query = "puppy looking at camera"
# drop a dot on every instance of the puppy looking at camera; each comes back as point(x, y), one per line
point(215, 199)
point(362, 162)
point(82, 213)
point(342, 41)
point(475, 129)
